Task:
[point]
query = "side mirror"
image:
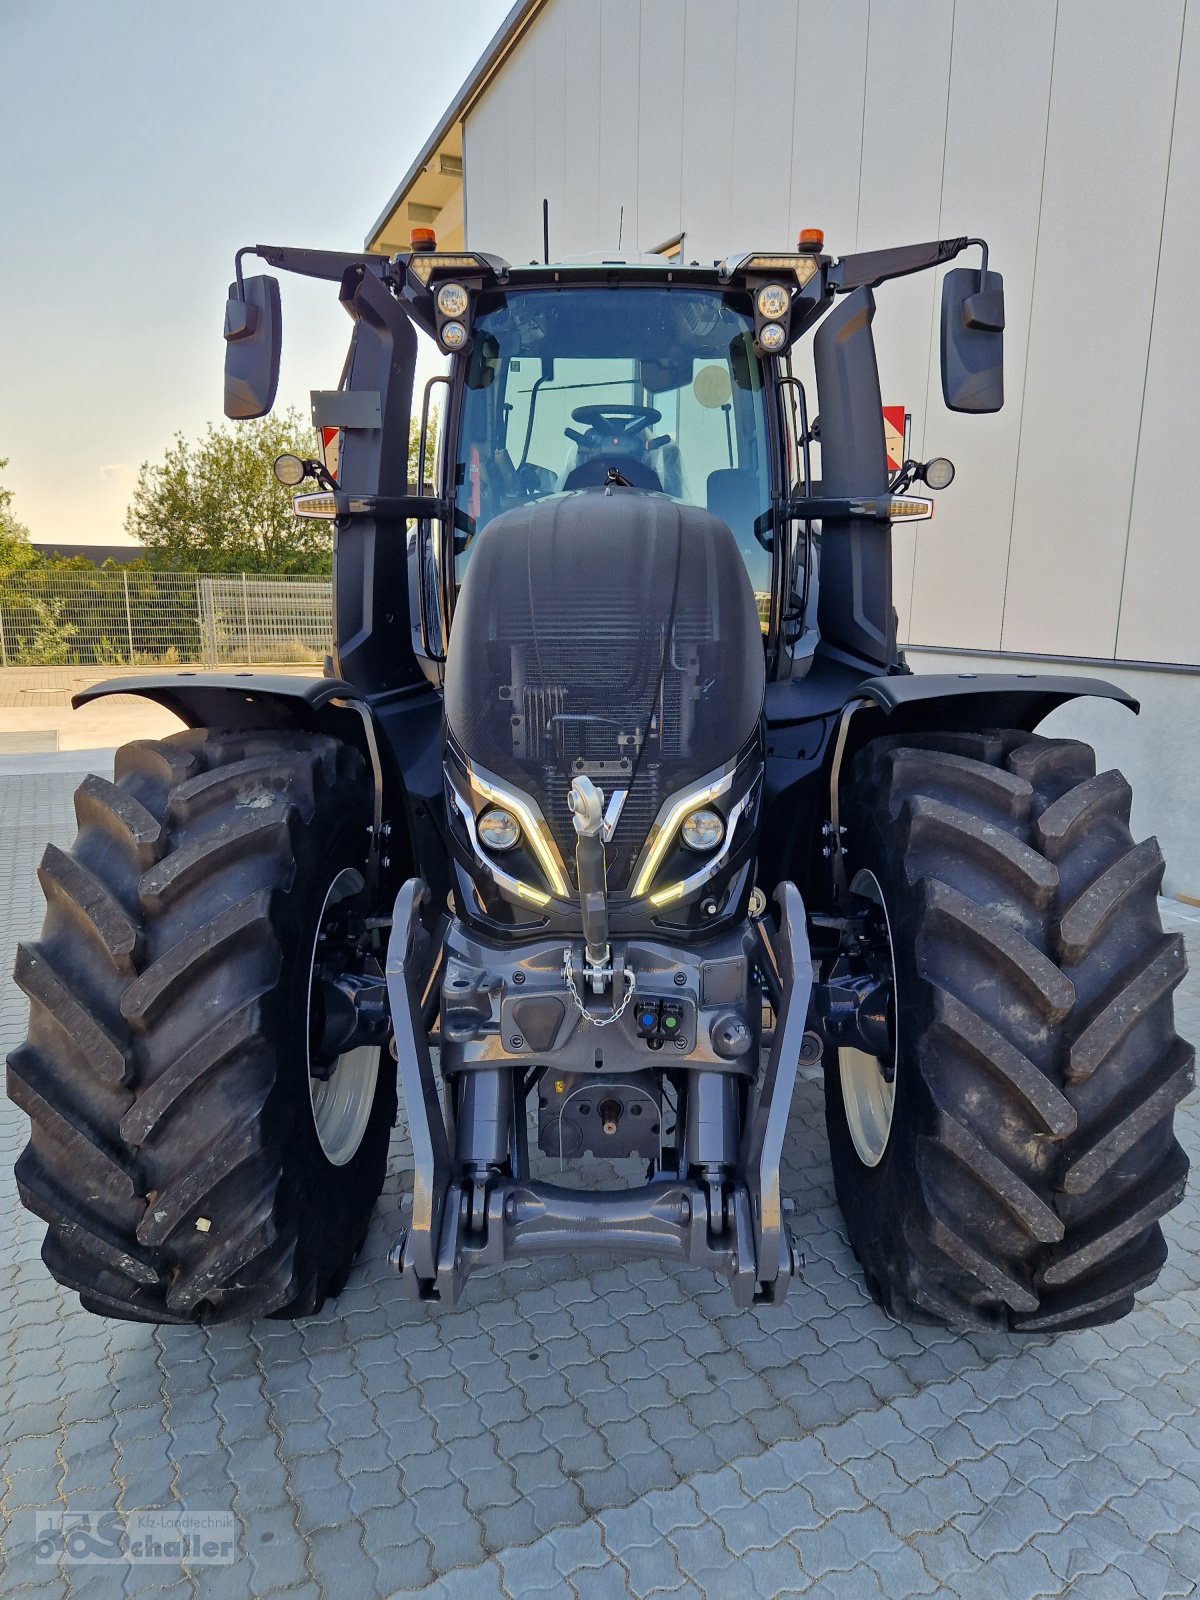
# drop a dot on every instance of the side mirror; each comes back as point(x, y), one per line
point(973, 340)
point(252, 343)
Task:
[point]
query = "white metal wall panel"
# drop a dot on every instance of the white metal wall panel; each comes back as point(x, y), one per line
point(828, 103)
point(708, 154)
point(904, 139)
point(575, 207)
point(499, 153)
point(829, 86)
point(553, 122)
point(484, 157)
point(522, 202)
point(991, 183)
point(762, 87)
point(1160, 608)
point(1046, 127)
point(1102, 207)
point(660, 123)
point(620, 92)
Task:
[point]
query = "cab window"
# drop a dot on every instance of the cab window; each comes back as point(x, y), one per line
point(657, 386)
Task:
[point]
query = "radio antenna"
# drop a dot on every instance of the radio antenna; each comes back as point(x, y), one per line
point(546, 232)
point(621, 228)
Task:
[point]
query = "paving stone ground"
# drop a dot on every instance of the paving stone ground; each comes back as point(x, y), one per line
point(612, 1434)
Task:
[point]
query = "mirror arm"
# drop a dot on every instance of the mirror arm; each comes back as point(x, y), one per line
point(328, 264)
point(246, 250)
point(872, 267)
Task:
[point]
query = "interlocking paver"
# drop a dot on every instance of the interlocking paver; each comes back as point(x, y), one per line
point(701, 1552)
point(504, 1526)
point(473, 1583)
point(601, 1583)
point(531, 1568)
point(791, 1512)
point(1009, 1523)
point(650, 1569)
point(927, 1506)
point(860, 1584)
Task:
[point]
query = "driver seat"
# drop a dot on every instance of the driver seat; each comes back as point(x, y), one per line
point(591, 474)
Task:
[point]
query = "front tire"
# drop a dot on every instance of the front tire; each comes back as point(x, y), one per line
point(176, 1152)
point(1028, 1153)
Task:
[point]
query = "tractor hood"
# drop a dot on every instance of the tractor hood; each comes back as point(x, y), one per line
point(611, 633)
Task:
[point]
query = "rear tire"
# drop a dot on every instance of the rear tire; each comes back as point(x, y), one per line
point(1029, 1154)
point(175, 1153)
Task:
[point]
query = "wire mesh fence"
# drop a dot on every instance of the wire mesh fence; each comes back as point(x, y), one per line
point(143, 618)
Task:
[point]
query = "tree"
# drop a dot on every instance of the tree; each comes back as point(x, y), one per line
point(16, 551)
point(414, 442)
point(214, 505)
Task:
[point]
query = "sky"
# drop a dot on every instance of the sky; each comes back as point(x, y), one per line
point(143, 142)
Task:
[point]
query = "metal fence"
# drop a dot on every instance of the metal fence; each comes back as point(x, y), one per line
point(140, 618)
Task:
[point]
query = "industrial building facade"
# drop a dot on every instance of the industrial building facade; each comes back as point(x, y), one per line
point(1067, 134)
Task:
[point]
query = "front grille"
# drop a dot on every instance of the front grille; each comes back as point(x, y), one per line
point(641, 806)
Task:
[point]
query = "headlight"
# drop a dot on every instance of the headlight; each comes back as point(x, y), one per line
point(452, 300)
point(772, 302)
point(453, 335)
point(771, 336)
point(703, 829)
point(938, 473)
point(498, 829)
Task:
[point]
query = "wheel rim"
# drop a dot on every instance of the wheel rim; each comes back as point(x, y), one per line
point(868, 1093)
point(341, 1103)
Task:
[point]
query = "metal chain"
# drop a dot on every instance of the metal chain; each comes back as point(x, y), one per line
point(596, 1022)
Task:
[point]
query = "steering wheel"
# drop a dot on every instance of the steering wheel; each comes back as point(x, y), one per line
point(618, 423)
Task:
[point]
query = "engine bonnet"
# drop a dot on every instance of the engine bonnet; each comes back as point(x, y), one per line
point(611, 633)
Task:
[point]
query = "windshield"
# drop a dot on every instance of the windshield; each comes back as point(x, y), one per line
point(660, 386)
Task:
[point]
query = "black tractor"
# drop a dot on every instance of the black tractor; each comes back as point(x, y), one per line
point(616, 806)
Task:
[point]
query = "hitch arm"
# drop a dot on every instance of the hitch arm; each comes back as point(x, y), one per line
point(787, 968)
point(409, 964)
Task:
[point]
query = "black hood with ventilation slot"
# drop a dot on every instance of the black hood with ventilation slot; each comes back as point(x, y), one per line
point(609, 632)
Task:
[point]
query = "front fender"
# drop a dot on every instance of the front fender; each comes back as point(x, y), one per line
point(971, 700)
point(953, 702)
point(399, 739)
point(946, 702)
point(244, 700)
point(237, 699)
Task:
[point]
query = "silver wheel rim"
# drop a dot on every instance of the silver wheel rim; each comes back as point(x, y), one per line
point(868, 1098)
point(341, 1104)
